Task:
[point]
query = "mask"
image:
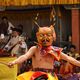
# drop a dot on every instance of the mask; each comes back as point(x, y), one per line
point(46, 35)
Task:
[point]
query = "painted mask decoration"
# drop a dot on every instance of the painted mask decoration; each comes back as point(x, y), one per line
point(46, 35)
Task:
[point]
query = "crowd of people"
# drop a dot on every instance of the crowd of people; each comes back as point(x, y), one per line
point(13, 42)
point(10, 37)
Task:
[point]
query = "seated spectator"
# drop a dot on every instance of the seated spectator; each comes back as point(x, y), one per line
point(72, 52)
point(5, 26)
point(66, 44)
point(5, 30)
point(15, 43)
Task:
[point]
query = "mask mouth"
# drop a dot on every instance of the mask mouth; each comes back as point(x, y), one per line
point(45, 41)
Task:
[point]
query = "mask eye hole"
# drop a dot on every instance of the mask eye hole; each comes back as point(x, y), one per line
point(41, 35)
point(49, 35)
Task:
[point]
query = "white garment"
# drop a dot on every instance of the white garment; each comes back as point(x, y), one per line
point(2, 36)
point(9, 27)
point(18, 46)
point(13, 41)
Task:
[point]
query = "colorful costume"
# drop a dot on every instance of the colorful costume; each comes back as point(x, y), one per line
point(36, 76)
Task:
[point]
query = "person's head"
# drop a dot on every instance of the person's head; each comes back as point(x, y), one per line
point(4, 19)
point(72, 48)
point(16, 32)
point(46, 35)
point(20, 26)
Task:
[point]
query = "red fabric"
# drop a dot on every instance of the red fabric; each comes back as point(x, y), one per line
point(38, 74)
point(51, 50)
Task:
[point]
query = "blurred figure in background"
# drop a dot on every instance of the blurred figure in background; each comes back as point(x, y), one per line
point(67, 70)
point(15, 43)
point(72, 52)
point(5, 30)
point(67, 44)
point(5, 26)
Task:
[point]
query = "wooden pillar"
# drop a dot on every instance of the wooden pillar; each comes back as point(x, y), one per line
point(76, 28)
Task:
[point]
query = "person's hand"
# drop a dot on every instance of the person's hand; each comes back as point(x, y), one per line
point(11, 64)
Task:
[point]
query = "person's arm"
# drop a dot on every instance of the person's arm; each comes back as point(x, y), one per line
point(70, 59)
point(24, 57)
